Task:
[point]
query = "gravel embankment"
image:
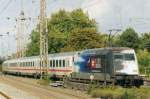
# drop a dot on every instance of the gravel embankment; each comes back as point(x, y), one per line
point(15, 93)
point(43, 92)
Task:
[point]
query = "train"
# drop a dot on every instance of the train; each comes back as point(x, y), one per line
point(117, 65)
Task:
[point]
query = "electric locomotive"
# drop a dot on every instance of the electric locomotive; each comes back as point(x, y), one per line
point(108, 65)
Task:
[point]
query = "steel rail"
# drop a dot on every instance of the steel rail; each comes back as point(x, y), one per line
point(4, 95)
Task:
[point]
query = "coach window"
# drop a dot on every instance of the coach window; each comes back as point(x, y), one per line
point(68, 63)
point(31, 64)
point(50, 63)
point(60, 63)
point(63, 63)
point(53, 63)
point(56, 63)
point(21, 64)
point(40, 63)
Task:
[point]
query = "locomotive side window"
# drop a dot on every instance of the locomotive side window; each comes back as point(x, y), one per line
point(118, 57)
point(129, 57)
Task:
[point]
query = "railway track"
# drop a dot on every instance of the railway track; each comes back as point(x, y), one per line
point(74, 95)
point(146, 81)
point(4, 95)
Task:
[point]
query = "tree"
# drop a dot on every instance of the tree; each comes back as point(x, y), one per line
point(143, 60)
point(33, 46)
point(145, 41)
point(61, 26)
point(129, 38)
point(86, 38)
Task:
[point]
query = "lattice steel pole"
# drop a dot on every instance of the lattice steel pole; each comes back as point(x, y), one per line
point(20, 35)
point(43, 40)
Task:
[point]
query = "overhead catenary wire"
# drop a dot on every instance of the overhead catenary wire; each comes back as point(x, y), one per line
point(5, 7)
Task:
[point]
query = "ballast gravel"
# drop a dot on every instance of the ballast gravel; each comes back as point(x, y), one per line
point(15, 93)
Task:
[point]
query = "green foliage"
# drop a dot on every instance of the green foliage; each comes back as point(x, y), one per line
point(62, 27)
point(143, 60)
point(44, 82)
point(33, 47)
point(129, 38)
point(121, 93)
point(145, 38)
point(86, 38)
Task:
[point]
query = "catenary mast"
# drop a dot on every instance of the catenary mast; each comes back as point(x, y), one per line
point(43, 40)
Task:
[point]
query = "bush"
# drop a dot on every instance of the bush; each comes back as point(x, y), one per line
point(144, 61)
point(121, 93)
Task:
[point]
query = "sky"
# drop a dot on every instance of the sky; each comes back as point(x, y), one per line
point(109, 14)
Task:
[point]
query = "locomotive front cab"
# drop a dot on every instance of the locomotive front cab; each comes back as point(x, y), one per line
point(126, 68)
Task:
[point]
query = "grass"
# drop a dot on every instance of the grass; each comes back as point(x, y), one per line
point(45, 81)
point(120, 93)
